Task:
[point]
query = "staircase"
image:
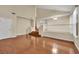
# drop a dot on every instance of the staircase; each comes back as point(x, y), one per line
point(35, 33)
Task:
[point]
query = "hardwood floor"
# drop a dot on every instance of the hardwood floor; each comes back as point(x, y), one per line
point(26, 44)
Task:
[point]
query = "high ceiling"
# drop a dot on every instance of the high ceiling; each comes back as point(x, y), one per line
point(65, 8)
point(28, 11)
point(44, 11)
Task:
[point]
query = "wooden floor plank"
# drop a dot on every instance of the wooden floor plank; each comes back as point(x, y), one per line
point(25, 44)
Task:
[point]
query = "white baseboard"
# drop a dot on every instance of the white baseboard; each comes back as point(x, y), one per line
point(7, 37)
point(13, 36)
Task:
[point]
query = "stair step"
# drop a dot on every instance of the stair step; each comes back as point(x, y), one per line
point(35, 33)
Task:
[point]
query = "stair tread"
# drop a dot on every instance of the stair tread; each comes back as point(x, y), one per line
point(35, 33)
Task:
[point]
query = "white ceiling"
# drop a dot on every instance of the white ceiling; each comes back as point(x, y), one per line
point(65, 8)
point(28, 10)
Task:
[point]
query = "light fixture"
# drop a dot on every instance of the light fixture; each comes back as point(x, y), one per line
point(55, 18)
point(12, 11)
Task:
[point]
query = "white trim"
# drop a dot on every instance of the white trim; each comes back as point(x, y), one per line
point(7, 37)
point(76, 44)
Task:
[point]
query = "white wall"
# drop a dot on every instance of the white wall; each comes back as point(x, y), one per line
point(22, 11)
point(76, 39)
point(78, 21)
point(59, 29)
point(5, 27)
point(61, 25)
point(23, 26)
point(11, 27)
point(73, 21)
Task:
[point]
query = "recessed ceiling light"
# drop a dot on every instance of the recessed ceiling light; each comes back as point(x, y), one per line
point(55, 18)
